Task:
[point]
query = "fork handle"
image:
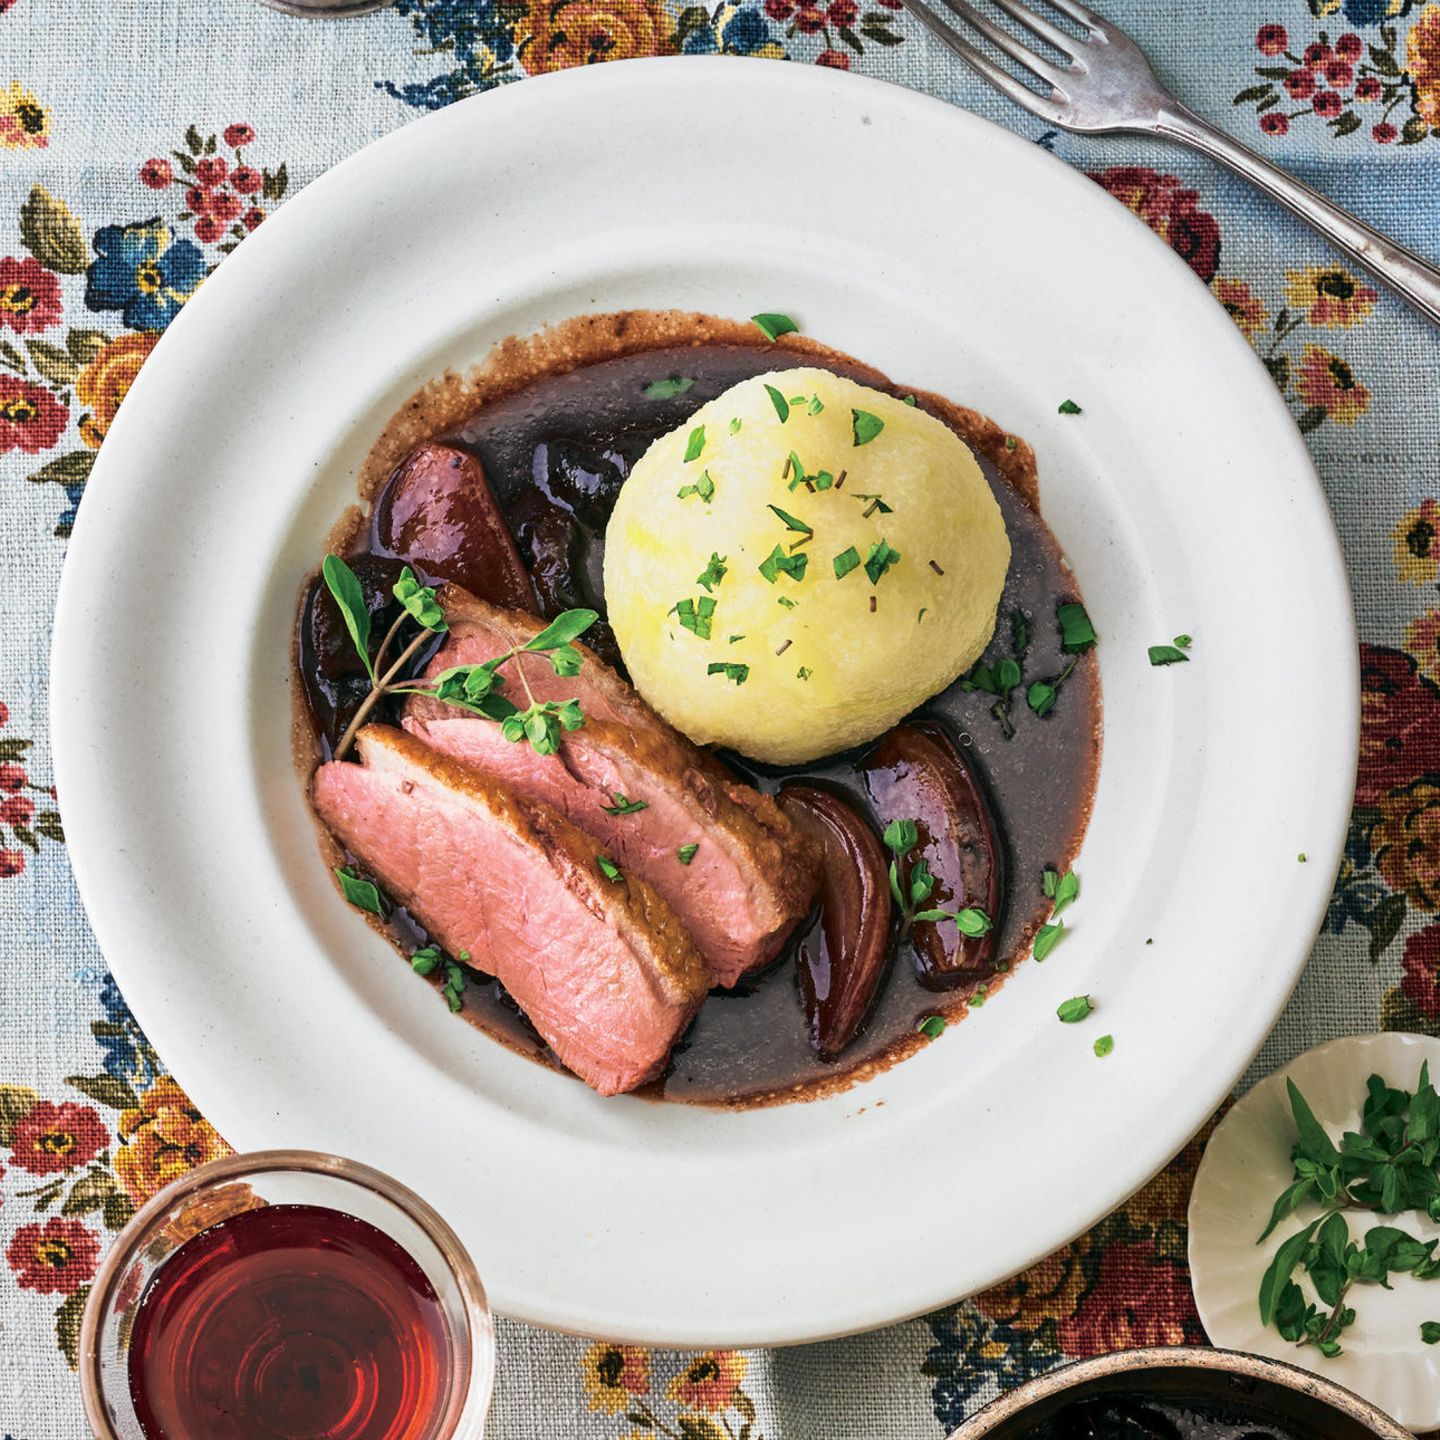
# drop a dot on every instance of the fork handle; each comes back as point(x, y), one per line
point(1403, 271)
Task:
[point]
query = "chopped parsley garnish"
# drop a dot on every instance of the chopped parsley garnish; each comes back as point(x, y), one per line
point(880, 558)
point(667, 389)
point(778, 561)
point(695, 444)
point(713, 573)
point(815, 406)
point(1069, 407)
point(846, 561)
point(731, 671)
point(877, 503)
point(428, 960)
point(419, 601)
point(1019, 632)
point(608, 868)
point(734, 638)
point(781, 404)
point(1167, 655)
point(704, 487)
point(1104, 1045)
point(932, 1027)
point(360, 893)
point(865, 426)
point(423, 962)
point(793, 522)
point(786, 601)
point(686, 853)
point(623, 806)
point(735, 426)
point(920, 613)
point(1184, 641)
point(772, 327)
point(1047, 937)
point(909, 400)
point(1075, 1009)
point(1076, 632)
point(696, 615)
point(804, 673)
point(1010, 442)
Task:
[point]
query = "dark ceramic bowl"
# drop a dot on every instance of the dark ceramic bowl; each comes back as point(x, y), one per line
point(1247, 1386)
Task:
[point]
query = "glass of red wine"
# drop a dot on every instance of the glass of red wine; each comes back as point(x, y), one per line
point(327, 9)
point(282, 1295)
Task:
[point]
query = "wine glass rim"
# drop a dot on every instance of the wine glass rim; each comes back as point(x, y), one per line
point(478, 1337)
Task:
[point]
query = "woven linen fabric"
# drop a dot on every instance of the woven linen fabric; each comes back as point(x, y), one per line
point(144, 140)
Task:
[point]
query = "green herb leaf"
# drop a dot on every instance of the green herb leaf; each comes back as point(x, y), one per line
point(1066, 891)
point(1076, 631)
point(1281, 1268)
point(786, 601)
point(792, 522)
point(1430, 1331)
point(846, 561)
point(781, 404)
point(1104, 1045)
point(1074, 1009)
point(879, 559)
point(1019, 632)
point(704, 487)
point(1047, 937)
point(454, 985)
point(362, 894)
point(423, 962)
point(901, 836)
point(865, 426)
point(565, 661)
point(1184, 641)
point(1166, 655)
point(686, 853)
point(622, 806)
point(1287, 1204)
point(877, 502)
point(1007, 675)
point(1010, 442)
point(608, 868)
point(731, 671)
point(778, 562)
point(772, 327)
point(345, 589)
point(1069, 407)
point(696, 615)
point(419, 601)
point(713, 573)
point(667, 389)
point(695, 444)
point(567, 626)
point(815, 406)
point(1040, 697)
point(1314, 1144)
point(932, 1027)
point(804, 673)
point(735, 425)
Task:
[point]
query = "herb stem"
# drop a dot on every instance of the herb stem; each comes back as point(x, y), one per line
point(1335, 1313)
point(390, 634)
point(377, 690)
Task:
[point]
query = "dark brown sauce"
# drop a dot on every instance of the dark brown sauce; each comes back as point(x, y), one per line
point(556, 450)
point(1127, 1417)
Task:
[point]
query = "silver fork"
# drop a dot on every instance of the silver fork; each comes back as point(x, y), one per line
point(1106, 84)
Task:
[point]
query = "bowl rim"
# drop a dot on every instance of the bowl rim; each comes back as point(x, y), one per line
point(1171, 1357)
point(469, 1403)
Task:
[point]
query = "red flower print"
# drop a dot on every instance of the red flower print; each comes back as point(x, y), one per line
point(808, 19)
point(1138, 1300)
point(31, 418)
point(1399, 710)
point(1350, 46)
point(157, 174)
point(1339, 74)
point(4, 713)
point(197, 200)
point(29, 296)
point(212, 170)
point(1368, 88)
point(1272, 39)
point(246, 179)
point(842, 14)
point(1328, 104)
point(1170, 210)
point(779, 9)
point(1300, 84)
point(1326, 381)
point(710, 1381)
point(226, 206)
point(13, 777)
point(1421, 980)
point(252, 218)
point(208, 228)
point(835, 59)
point(238, 135)
point(17, 810)
point(1317, 54)
point(1384, 133)
point(55, 1258)
point(1274, 123)
point(51, 1137)
point(12, 863)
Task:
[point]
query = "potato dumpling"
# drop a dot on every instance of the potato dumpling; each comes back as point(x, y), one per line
point(800, 564)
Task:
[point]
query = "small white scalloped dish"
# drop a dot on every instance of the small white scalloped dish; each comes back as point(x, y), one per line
point(1247, 1164)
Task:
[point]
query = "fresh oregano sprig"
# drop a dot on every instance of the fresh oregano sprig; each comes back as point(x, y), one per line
point(1386, 1167)
point(475, 688)
point(912, 884)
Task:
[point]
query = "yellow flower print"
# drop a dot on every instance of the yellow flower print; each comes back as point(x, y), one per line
point(1325, 381)
point(613, 1374)
point(24, 122)
point(1422, 60)
point(709, 1381)
point(1330, 296)
point(1243, 305)
point(1417, 544)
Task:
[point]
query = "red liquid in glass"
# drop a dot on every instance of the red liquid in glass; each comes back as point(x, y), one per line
point(289, 1322)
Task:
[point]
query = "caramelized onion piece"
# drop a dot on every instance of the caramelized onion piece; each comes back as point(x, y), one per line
point(437, 513)
point(841, 964)
point(918, 773)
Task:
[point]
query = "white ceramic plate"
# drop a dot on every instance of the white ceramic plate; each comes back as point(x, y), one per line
point(1247, 1164)
point(950, 254)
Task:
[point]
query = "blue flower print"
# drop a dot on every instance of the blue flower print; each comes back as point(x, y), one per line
point(144, 273)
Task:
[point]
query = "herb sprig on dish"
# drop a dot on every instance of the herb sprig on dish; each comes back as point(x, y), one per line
point(912, 884)
point(1387, 1167)
point(474, 688)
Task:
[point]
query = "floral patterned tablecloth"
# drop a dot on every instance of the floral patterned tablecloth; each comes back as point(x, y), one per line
point(142, 140)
